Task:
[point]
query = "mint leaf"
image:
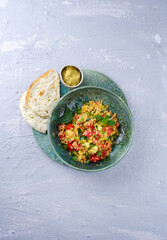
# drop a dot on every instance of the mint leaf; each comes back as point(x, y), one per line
point(67, 117)
point(99, 117)
point(105, 119)
point(111, 123)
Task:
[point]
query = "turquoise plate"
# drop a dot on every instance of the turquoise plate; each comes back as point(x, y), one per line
point(91, 78)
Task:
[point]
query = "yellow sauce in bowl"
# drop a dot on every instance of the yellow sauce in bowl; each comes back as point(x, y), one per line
point(71, 75)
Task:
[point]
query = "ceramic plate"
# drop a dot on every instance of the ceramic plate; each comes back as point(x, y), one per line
point(91, 78)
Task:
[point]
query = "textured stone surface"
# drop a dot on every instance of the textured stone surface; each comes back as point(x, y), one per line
point(40, 199)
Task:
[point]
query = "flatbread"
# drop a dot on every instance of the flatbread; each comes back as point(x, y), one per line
point(44, 93)
point(35, 121)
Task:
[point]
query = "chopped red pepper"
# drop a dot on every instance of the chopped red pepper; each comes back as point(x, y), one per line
point(76, 145)
point(104, 153)
point(94, 158)
point(88, 133)
point(61, 136)
point(69, 126)
point(109, 130)
point(91, 126)
point(70, 147)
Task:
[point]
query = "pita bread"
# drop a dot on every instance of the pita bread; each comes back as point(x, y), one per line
point(43, 93)
point(35, 121)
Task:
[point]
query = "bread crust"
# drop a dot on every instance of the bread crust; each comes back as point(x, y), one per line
point(37, 80)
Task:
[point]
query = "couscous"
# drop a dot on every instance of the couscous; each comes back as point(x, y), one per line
point(91, 133)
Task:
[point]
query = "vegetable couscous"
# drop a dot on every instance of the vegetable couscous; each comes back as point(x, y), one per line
point(91, 133)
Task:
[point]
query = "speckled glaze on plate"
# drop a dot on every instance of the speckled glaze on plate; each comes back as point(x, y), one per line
point(91, 78)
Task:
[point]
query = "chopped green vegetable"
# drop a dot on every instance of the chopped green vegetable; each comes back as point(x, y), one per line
point(65, 146)
point(88, 161)
point(92, 144)
point(81, 120)
point(93, 150)
point(99, 154)
point(88, 155)
point(79, 132)
point(86, 145)
point(74, 158)
point(67, 117)
point(78, 110)
point(83, 137)
point(73, 152)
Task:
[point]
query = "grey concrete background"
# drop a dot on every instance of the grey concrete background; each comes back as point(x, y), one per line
point(40, 199)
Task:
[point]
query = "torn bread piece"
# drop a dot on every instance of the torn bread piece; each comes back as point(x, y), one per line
point(35, 121)
point(44, 93)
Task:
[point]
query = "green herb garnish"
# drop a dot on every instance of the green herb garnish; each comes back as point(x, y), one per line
point(99, 117)
point(92, 144)
point(111, 122)
point(105, 119)
point(67, 117)
point(99, 154)
point(88, 155)
point(88, 161)
point(65, 146)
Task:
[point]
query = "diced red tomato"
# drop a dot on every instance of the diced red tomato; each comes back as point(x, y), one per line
point(108, 145)
point(70, 147)
point(78, 125)
point(102, 146)
point(91, 126)
point(117, 125)
point(69, 126)
point(62, 135)
point(109, 130)
point(76, 117)
point(94, 158)
point(97, 133)
point(104, 153)
point(76, 145)
point(88, 133)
